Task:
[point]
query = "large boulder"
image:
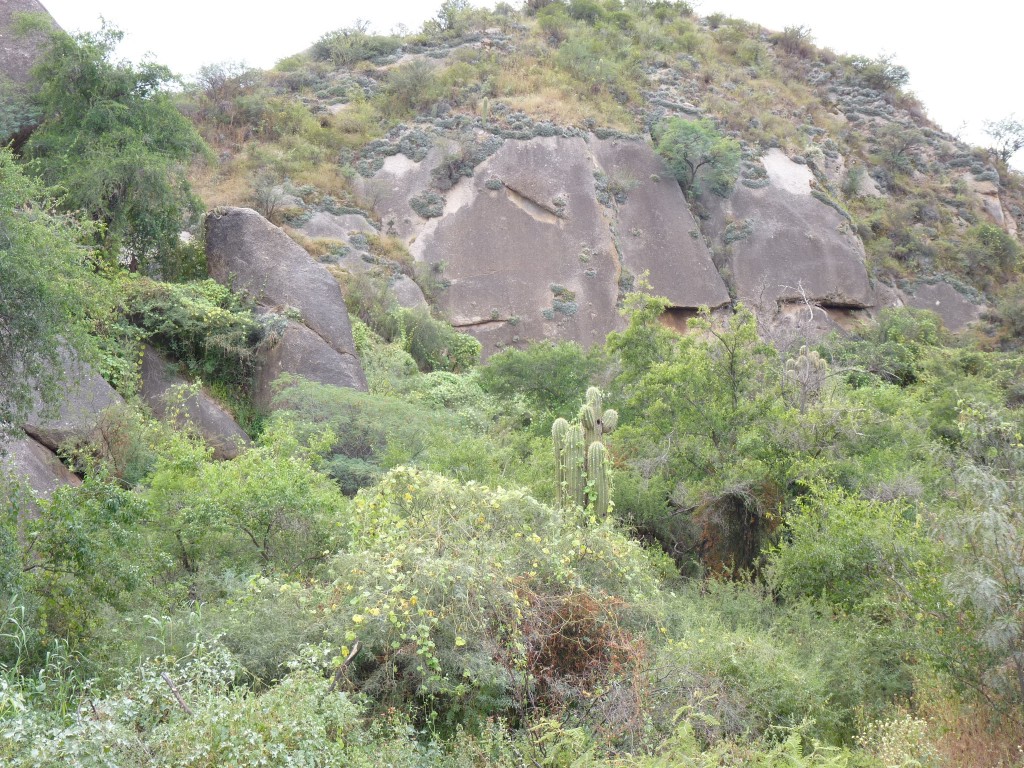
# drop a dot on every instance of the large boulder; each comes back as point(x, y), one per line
point(163, 386)
point(785, 243)
point(546, 236)
point(76, 417)
point(248, 253)
point(18, 53)
point(301, 352)
point(34, 465)
point(956, 310)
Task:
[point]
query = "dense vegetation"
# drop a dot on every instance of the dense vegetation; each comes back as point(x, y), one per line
point(812, 553)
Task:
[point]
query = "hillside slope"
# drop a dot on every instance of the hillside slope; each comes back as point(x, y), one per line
point(499, 153)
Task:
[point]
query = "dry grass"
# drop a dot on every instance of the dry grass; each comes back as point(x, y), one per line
point(970, 734)
point(317, 247)
point(544, 92)
point(221, 184)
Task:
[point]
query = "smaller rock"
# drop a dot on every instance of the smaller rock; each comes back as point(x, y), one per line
point(86, 396)
point(160, 382)
point(35, 465)
point(408, 293)
point(301, 352)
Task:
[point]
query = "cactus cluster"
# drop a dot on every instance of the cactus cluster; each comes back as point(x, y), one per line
point(583, 475)
point(807, 372)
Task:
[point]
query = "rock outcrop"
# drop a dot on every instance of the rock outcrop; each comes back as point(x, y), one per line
point(34, 465)
point(18, 52)
point(785, 243)
point(956, 310)
point(547, 234)
point(248, 253)
point(77, 417)
point(160, 383)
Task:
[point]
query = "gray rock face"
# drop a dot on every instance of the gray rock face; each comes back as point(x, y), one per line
point(336, 227)
point(533, 259)
point(656, 231)
point(160, 379)
point(786, 245)
point(536, 246)
point(18, 53)
point(955, 310)
point(86, 396)
point(248, 253)
point(304, 353)
point(35, 465)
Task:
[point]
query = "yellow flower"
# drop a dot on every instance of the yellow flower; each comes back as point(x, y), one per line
point(357, 618)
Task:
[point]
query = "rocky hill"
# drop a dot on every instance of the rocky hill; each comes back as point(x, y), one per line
point(536, 206)
point(717, 494)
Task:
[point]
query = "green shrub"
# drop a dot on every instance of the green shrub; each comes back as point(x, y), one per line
point(697, 154)
point(548, 376)
point(268, 509)
point(849, 552)
point(410, 88)
point(349, 45)
point(210, 330)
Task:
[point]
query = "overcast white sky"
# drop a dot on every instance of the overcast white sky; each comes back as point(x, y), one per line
point(964, 61)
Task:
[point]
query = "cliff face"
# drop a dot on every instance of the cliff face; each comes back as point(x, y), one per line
point(519, 173)
point(18, 52)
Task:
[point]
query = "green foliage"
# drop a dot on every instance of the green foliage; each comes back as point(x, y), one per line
point(548, 376)
point(881, 73)
point(210, 330)
point(74, 558)
point(1008, 135)
point(433, 343)
point(111, 138)
point(698, 154)
point(851, 553)
point(894, 347)
point(410, 88)
point(349, 45)
point(50, 293)
point(457, 616)
point(704, 405)
point(991, 255)
point(372, 433)
point(986, 581)
point(267, 509)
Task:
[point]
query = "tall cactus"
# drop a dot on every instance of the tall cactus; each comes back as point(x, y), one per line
point(599, 474)
point(596, 421)
point(807, 373)
point(583, 473)
point(558, 430)
point(574, 461)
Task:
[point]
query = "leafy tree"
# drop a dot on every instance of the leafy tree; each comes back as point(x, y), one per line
point(700, 416)
point(1008, 135)
point(986, 581)
point(694, 150)
point(548, 376)
point(111, 138)
point(48, 292)
point(880, 73)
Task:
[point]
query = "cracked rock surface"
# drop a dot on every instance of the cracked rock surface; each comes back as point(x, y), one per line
point(784, 243)
point(547, 234)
